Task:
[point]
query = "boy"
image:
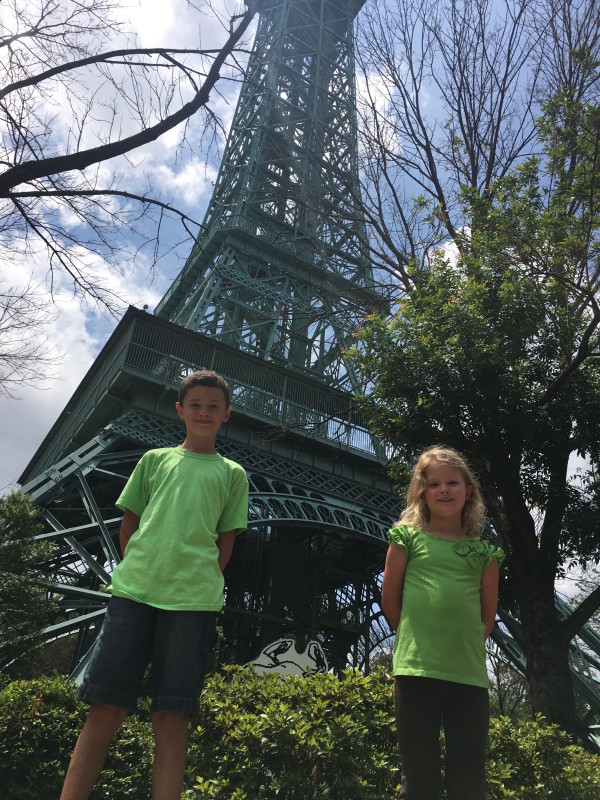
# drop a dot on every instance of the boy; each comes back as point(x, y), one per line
point(182, 509)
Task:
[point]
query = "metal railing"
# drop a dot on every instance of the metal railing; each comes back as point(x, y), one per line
point(258, 388)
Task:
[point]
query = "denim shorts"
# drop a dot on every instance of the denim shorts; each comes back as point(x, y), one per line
point(176, 643)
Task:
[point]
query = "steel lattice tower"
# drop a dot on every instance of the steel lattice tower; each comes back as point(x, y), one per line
point(274, 288)
point(281, 270)
point(270, 296)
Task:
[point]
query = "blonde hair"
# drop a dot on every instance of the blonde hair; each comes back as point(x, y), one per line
point(416, 513)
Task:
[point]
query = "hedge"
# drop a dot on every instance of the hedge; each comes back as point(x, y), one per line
point(40, 721)
point(270, 737)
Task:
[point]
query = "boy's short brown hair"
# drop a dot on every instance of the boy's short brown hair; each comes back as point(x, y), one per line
point(204, 377)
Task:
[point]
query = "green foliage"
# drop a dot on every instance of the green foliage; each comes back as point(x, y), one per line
point(40, 721)
point(495, 350)
point(314, 737)
point(271, 737)
point(38, 729)
point(537, 760)
point(24, 608)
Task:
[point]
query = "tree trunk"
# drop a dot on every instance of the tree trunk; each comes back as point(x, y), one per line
point(547, 651)
point(545, 636)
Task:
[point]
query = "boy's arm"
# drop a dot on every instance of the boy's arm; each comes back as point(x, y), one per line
point(393, 584)
point(225, 542)
point(130, 524)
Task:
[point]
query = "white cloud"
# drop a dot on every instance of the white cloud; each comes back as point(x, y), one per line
point(154, 22)
point(78, 332)
point(189, 184)
point(179, 23)
point(26, 421)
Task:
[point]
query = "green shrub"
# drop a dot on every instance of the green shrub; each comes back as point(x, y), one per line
point(271, 737)
point(315, 737)
point(40, 721)
point(534, 759)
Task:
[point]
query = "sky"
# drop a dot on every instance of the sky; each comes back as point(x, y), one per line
point(78, 331)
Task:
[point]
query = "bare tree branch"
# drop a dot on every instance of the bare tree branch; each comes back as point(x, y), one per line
point(26, 356)
point(43, 167)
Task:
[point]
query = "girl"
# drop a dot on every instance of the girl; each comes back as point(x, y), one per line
point(440, 593)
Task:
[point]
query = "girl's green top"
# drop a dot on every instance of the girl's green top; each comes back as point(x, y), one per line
point(441, 634)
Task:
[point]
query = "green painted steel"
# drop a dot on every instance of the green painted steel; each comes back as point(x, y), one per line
point(269, 297)
point(281, 269)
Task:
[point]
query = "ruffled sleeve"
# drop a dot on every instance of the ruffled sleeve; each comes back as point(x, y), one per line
point(402, 535)
point(493, 552)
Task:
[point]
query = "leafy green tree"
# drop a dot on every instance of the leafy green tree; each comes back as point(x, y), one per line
point(496, 352)
point(24, 607)
point(479, 161)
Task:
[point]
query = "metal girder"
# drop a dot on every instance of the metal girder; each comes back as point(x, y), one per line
point(80, 460)
point(326, 513)
point(281, 269)
point(241, 284)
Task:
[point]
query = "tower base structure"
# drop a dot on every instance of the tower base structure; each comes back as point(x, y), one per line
point(308, 567)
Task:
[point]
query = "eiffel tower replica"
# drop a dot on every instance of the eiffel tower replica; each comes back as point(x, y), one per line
point(274, 287)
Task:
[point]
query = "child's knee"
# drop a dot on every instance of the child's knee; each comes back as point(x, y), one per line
point(107, 717)
point(168, 722)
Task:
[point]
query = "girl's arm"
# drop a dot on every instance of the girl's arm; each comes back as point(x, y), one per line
point(393, 584)
point(130, 524)
point(489, 595)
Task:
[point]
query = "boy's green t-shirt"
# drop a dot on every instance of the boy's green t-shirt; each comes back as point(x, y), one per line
point(184, 500)
point(441, 634)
